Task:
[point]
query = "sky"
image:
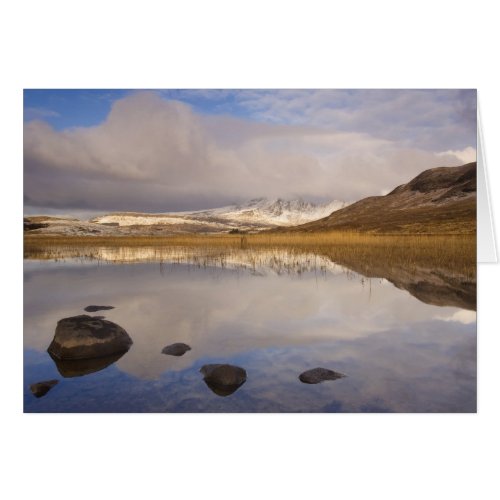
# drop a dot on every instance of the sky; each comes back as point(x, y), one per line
point(94, 151)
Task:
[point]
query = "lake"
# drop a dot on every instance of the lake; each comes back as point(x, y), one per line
point(406, 342)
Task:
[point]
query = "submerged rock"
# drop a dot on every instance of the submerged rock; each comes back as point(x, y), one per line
point(41, 388)
point(70, 368)
point(177, 349)
point(223, 380)
point(84, 337)
point(317, 375)
point(92, 309)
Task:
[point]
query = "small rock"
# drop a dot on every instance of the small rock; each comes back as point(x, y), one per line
point(41, 388)
point(177, 349)
point(84, 337)
point(223, 380)
point(92, 309)
point(317, 375)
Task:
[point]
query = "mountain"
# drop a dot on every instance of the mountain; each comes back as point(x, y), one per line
point(439, 200)
point(253, 216)
point(258, 213)
point(274, 212)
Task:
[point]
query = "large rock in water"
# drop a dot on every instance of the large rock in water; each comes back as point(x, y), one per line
point(223, 380)
point(317, 375)
point(84, 337)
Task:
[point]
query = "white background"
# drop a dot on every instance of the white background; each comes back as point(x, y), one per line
point(235, 44)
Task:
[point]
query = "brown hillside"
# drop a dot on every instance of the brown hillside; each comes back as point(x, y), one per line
point(439, 200)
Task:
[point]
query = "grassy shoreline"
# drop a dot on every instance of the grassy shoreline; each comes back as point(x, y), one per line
point(259, 239)
point(452, 254)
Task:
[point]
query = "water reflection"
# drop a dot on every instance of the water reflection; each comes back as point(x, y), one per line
point(78, 367)
point(276, 315)
point(438, 284)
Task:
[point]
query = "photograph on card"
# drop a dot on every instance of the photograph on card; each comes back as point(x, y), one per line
point(250, 250)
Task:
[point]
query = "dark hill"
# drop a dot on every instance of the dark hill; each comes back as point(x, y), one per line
point(439, 200)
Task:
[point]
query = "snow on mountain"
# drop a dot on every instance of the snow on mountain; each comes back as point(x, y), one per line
point(280, 212)
point(259, 212)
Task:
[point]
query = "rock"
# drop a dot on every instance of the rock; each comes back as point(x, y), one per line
point(92, 309)
point(41, 388)
point(177, 349)
point(31, 226)
point(84, 337)
point(223, 380)
point(317, 375)
point(70, 368)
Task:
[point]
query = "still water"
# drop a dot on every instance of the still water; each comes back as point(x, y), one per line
point(272, 313)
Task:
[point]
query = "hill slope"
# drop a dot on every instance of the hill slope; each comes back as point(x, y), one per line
point(439, 200)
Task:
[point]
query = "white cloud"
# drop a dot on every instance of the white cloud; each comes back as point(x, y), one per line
point(461, 316)
point(33, 113)
point(159, 155)
point(466, 155)
point(429, 119)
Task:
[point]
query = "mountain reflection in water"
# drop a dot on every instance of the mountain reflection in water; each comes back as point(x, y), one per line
point(276, 313)
point(437, 285)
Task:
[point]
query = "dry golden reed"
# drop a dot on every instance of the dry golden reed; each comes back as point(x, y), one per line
point(455, 253)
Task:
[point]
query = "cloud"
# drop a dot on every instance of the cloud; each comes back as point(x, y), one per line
point(461, 316)
point(467, 155)
point(424, 118)
point(154, 154)
point(35, 113)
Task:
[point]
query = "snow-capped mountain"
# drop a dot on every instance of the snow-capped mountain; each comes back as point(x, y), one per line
point(255, 214)
point(275, 212)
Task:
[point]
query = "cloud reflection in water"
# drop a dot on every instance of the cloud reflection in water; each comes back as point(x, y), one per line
point(399, 353)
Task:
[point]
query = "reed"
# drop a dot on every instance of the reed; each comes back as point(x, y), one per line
point(453, 253)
